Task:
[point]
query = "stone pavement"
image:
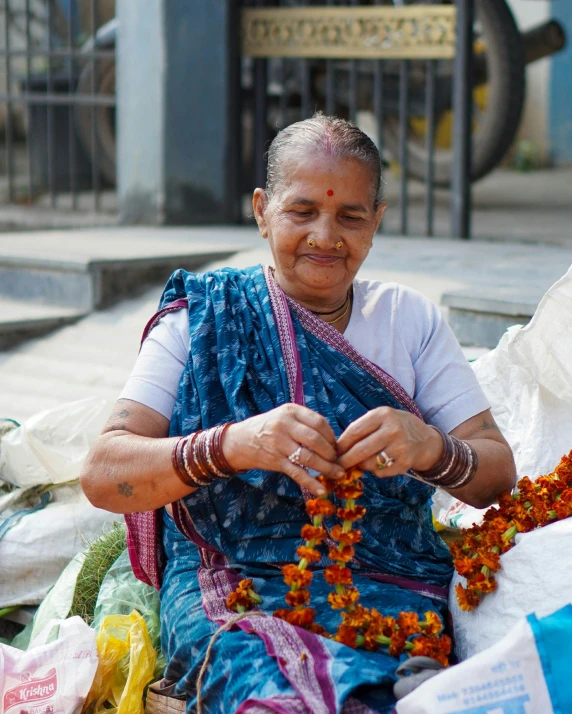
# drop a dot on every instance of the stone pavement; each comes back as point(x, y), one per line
point(95, 355)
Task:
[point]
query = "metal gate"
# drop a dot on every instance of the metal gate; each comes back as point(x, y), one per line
point(388, 65)
point(57, 104)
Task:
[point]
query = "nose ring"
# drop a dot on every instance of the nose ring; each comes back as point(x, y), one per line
point(339, 245)
point(311, 243)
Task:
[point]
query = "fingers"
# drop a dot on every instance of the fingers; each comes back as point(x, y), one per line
point(315, 421)
point(314, 440)
point(363, 450)
point(301, 477)
point(362, 427)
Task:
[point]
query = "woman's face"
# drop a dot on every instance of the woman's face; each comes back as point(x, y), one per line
point(325, 201)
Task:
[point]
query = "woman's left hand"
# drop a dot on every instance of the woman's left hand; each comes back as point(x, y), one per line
point(401, 435)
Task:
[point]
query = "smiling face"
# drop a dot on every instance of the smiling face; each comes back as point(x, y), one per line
point(323, 201)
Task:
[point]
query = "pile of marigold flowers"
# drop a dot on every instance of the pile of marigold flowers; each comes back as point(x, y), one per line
point(534, 504)
point(360, 626)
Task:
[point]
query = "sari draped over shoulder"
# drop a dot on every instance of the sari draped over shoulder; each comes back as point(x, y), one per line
point(253, 349)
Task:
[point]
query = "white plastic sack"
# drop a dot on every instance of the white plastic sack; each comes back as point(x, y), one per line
point(506, 679)
point(34, 553)
point(528, 381)
point(532, 579)
point(52, 445)
point(50, 677)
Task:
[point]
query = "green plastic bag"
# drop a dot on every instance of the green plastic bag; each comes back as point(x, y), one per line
point(121, 593)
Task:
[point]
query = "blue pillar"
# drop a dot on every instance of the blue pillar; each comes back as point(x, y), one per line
point(560, 112)
point(178, 126)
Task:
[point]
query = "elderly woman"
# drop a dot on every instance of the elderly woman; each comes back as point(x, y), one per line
point(249, 383)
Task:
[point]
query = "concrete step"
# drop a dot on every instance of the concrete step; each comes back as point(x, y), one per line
point(480, 316)
point(21, 320)
point(96, 268)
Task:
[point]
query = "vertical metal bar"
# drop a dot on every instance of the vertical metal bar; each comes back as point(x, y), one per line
point(283, 104)
point(27, 106)
point(71, 132)
point(233, 189)
point(404, 72)
point(353, 84)
point(305, 84)
point(50, 112)
point(330, 86)
point(94, 151)
point(260, 113)
point(378, 106)
point(430, 145)
point(462, 122)
point(8, 131)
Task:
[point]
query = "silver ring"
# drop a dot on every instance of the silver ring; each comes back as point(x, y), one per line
point(295, 456)
point(382, 460)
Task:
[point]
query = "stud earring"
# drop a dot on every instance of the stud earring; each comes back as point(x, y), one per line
point(311, 243)
point(339, 245)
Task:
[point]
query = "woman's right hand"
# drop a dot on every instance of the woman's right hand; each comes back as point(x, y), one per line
point(265, 441)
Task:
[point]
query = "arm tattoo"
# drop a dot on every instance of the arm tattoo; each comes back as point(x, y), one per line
point(489, 424)
point(116, 421)
point(125, 489)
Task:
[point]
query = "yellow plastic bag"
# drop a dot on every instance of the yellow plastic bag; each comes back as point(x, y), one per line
point(126, 665)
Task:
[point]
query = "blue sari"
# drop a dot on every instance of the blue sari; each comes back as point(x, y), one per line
point(254, 349)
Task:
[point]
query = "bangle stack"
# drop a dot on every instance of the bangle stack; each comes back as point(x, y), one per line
point(198, 459)
point(456, 468)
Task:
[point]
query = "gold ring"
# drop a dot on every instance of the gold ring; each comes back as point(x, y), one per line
point(382, 460)
point(311, 243)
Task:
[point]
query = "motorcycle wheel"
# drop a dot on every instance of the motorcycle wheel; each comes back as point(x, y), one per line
point(103, 153)
point(498, 105)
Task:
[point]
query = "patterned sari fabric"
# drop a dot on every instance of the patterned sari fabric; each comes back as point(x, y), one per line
point(253, 350)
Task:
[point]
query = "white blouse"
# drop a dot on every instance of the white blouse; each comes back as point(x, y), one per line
point(393, 326)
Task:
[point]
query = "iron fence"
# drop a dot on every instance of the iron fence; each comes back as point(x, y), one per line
point(57, 102)
point(392, 67)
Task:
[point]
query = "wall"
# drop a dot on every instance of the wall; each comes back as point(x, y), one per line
point(560, 98)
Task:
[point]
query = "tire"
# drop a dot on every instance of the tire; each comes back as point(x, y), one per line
point(103, 154)
point(506, 92)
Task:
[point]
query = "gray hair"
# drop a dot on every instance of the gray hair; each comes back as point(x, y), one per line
point(329, 135)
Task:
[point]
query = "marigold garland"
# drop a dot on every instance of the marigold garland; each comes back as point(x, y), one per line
point(360, 626)
point(535, 503)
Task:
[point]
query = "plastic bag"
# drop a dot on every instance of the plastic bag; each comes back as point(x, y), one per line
point(52, 676)
point(121, 593)
point(50, 447)
point(527, 380)
point(126, 666)
point(526, 671)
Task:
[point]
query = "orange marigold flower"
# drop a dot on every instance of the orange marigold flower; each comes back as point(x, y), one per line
point(350, 477)
point(351, 514)
point(435, 647)
point(295, 598)
point(488, 559)
point(293, 574)
point(237, 600)
point(346, 599)
point(342, 553)
point(320, 507)
point(408, 623)
point(352, 490)
point(350, 538)
point(317, 629)
point(328, 483)
point(338, 574)
point(432, 624)
point(360, 617)
point(397, 644)
point(244, 585)
point(302, 617)
point(315, 533)
point(347, 635)
point(481, 584)
point(466, 566)
point(310, 554)
point(467, 599)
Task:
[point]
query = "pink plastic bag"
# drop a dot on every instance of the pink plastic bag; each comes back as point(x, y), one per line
point(49, 677)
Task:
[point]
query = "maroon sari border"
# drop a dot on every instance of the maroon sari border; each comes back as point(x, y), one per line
point(328, 334)
point(287, 337)
point(170, 307)
point(309, 675)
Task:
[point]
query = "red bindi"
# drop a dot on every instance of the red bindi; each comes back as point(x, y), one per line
point(330, 192)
